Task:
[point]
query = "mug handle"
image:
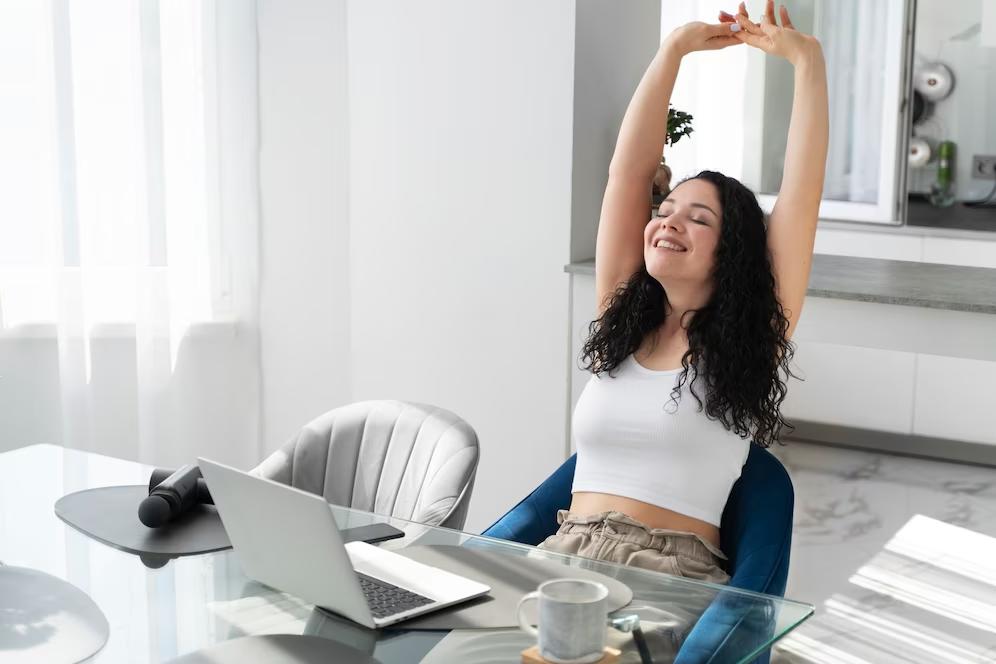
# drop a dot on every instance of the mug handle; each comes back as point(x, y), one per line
point(523, 625)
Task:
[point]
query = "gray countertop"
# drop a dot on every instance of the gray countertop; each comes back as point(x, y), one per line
point(928, 285)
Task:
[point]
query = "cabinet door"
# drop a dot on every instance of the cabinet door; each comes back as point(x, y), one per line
point(741, 101)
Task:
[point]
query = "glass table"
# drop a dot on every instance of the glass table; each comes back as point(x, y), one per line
point(161, 609)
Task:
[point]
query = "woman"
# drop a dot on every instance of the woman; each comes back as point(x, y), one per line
point(696, 312)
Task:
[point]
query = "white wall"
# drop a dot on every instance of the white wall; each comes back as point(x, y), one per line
point(460, 190)
point(614, 44)
point(304, 191)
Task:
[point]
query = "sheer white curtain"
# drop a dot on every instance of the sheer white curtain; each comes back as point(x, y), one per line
point(851, 35)
point(128, 218)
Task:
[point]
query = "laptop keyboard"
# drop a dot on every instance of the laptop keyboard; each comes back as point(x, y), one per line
point(386, 600)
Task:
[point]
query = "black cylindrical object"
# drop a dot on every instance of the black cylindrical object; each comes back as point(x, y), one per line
point(160, 474)
point(172, 496)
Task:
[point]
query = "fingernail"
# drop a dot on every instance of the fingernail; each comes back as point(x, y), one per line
point(761, 19)
point(734, 27)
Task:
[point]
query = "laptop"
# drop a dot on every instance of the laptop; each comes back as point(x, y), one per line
point(288, 539)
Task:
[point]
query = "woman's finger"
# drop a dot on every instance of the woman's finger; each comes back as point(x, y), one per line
point(726, 18)
point(769, 13)
point(786, 21)
point(749, 26)
point(723, 30)
point(751, 39)
point(743, 9)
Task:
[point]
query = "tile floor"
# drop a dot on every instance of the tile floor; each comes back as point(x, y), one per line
point(898, 555)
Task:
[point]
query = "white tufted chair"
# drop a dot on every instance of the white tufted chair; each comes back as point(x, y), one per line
point(393, 458)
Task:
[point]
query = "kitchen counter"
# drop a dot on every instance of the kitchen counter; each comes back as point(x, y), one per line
point(924, 215)
point(926, 285)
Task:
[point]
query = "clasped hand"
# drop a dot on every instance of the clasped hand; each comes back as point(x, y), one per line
point(781, 40)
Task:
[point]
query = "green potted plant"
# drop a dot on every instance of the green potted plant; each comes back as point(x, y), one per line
point(679, 124)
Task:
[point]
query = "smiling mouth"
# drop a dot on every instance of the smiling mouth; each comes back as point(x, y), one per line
point(664, 244)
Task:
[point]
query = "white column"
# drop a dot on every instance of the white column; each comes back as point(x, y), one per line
point(465, 163)
point(304, 240)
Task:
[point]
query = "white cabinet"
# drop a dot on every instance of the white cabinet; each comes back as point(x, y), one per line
point(954, 399)
point(865, 388)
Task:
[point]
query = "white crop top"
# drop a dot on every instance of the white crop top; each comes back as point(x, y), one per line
point(634, 441)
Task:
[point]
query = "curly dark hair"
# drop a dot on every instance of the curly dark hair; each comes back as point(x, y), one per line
point(737, 342)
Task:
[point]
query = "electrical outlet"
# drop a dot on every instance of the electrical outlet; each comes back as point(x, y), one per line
point(984, 167)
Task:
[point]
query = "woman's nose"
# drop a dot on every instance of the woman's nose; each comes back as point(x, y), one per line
point(669, 222)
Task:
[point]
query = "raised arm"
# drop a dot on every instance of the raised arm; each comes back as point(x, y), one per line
point(625, 206)
point(792, 227)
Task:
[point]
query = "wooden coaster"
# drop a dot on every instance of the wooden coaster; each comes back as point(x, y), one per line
point(532, 656)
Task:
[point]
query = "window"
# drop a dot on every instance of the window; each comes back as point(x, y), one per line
point(108, 169)
point(742, 102)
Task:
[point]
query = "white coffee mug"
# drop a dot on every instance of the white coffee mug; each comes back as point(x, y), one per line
point(572, 620)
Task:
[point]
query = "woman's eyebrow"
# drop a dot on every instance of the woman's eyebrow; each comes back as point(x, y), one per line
point(697, 205)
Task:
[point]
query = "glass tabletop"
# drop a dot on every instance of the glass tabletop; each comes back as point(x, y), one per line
point(163, 609)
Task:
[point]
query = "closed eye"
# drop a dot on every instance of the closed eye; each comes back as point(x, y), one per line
point(700, 222)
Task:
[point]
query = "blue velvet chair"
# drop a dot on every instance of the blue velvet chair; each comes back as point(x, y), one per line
point(755, 534)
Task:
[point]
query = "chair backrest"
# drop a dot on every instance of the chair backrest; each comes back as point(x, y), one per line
point(535, 517)
point(394, 458)
point(756, 535)
point(756, 530)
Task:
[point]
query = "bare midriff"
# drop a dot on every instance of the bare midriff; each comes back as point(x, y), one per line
point(587, 504)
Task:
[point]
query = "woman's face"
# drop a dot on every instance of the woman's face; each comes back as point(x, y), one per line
point(680, 243)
